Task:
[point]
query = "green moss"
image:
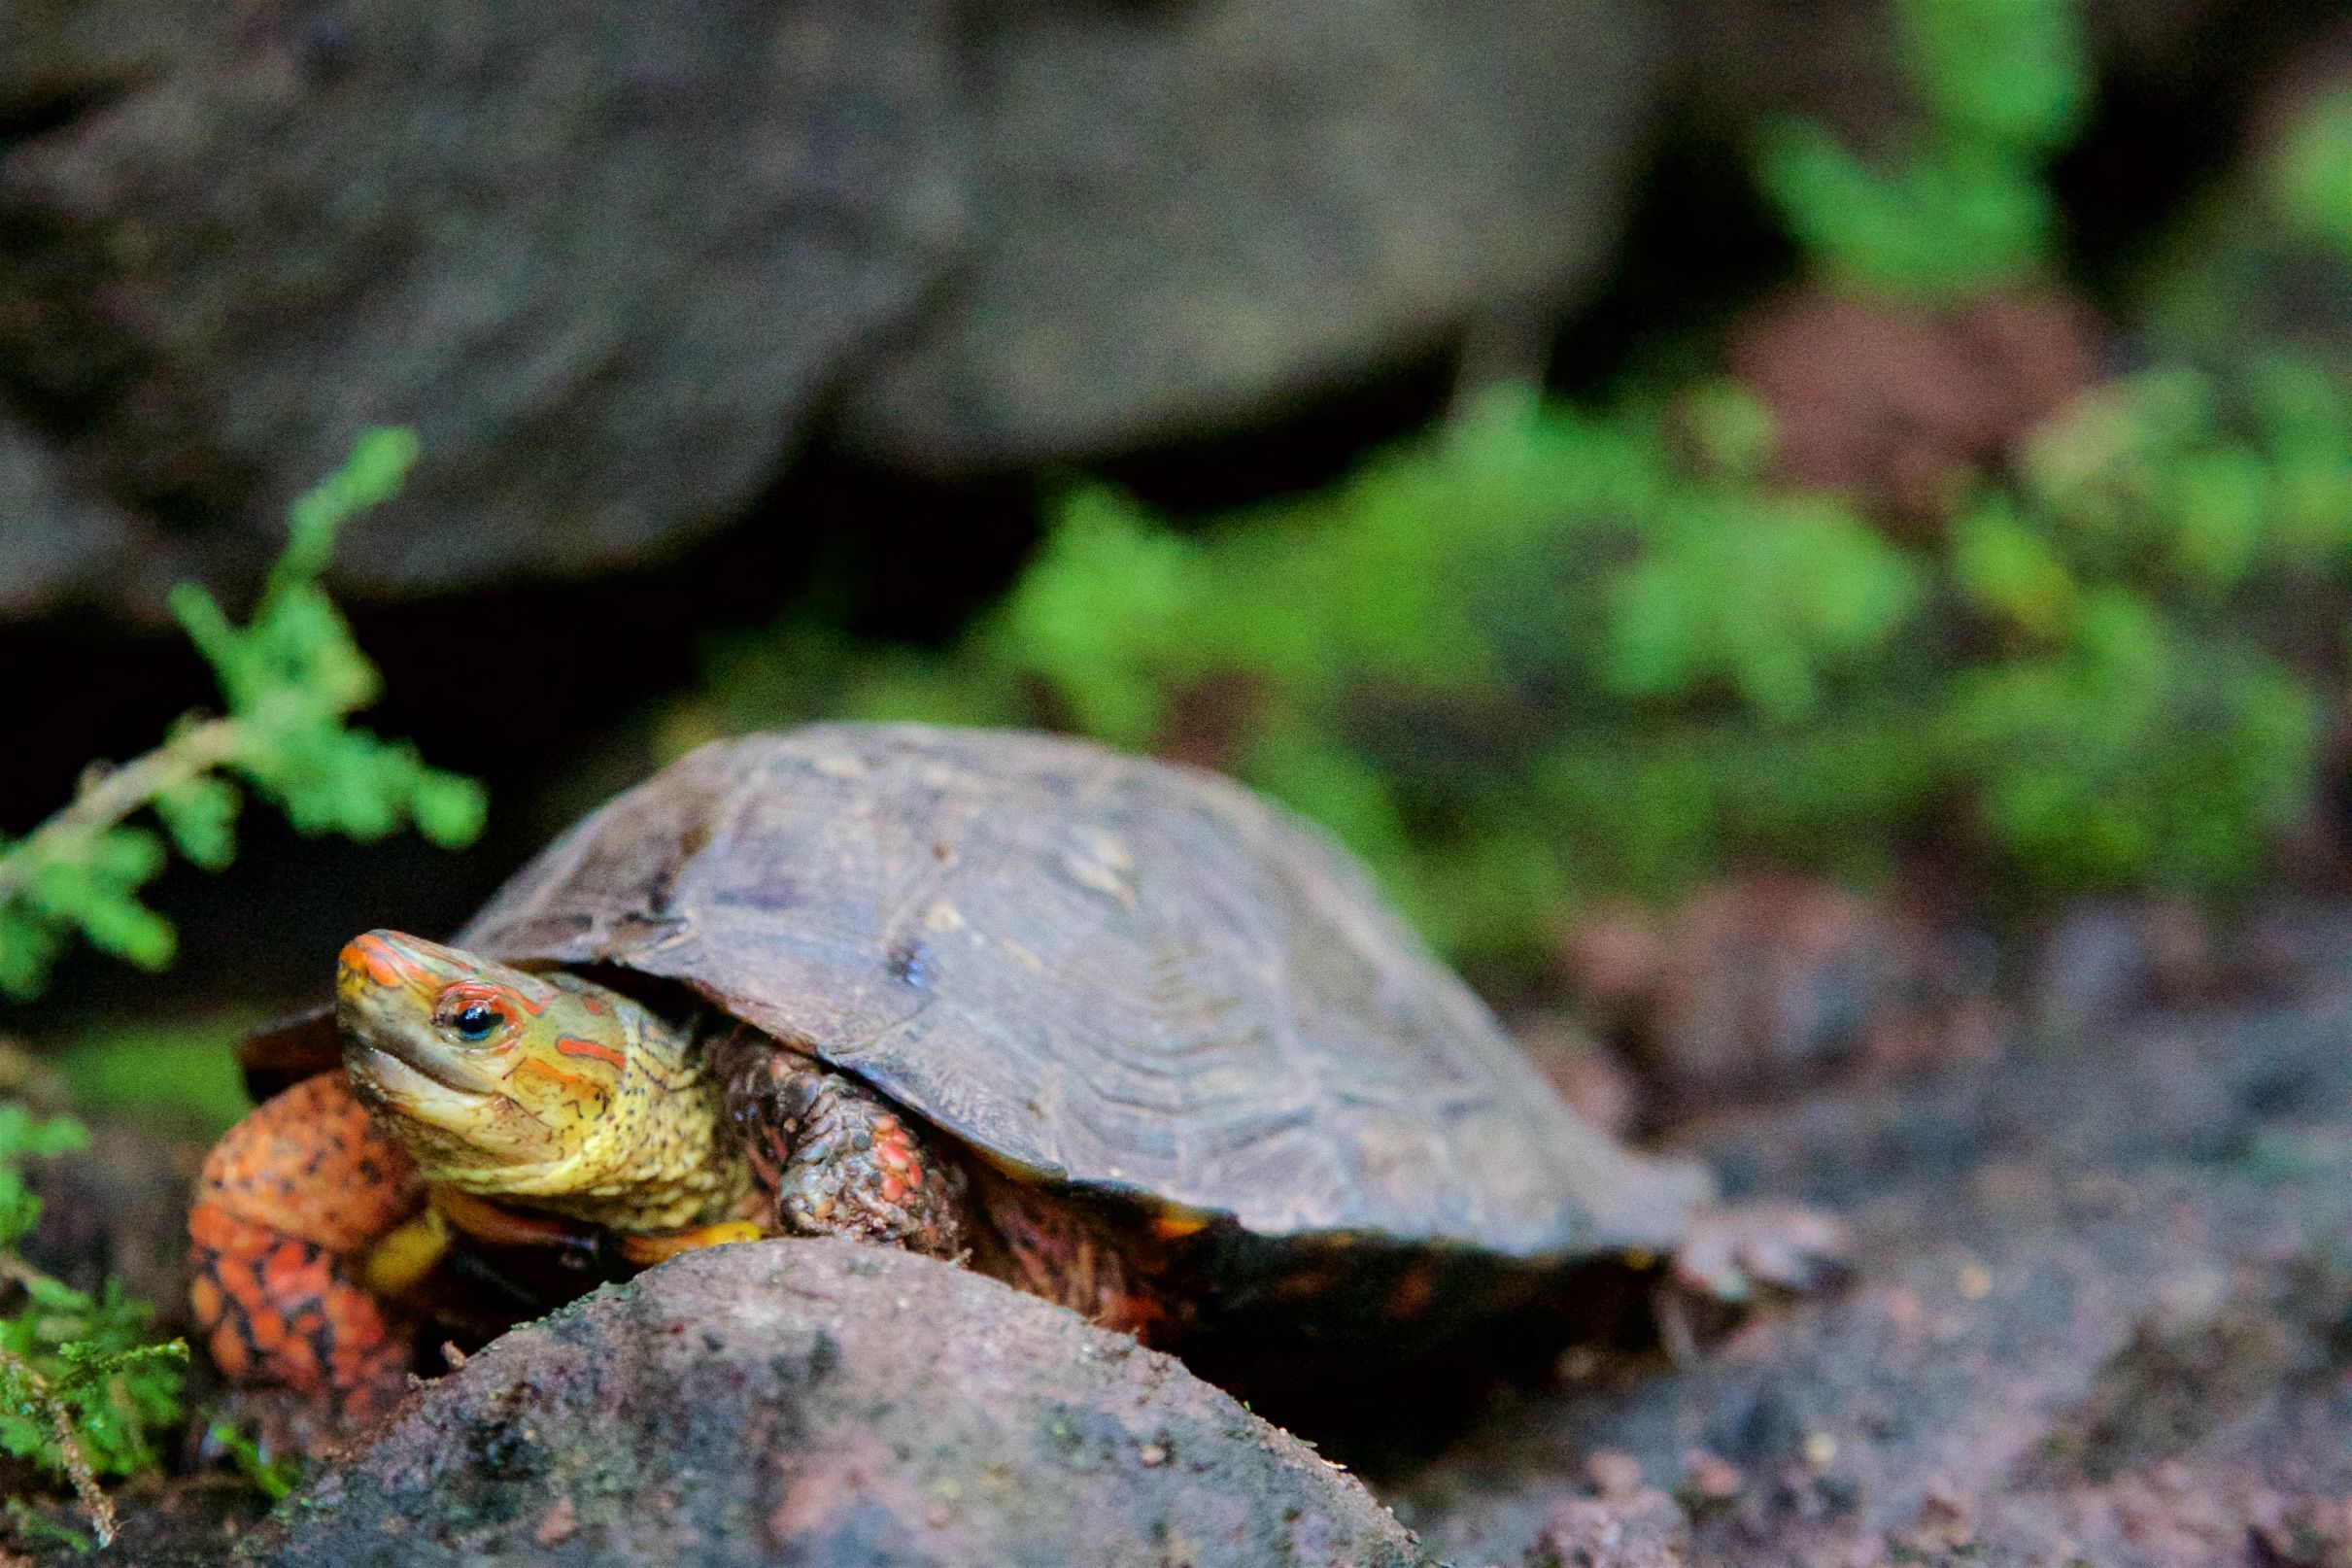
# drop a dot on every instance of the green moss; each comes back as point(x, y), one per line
point(85, 1389)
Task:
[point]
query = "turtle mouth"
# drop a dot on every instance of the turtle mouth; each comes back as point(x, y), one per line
point(392, 1061)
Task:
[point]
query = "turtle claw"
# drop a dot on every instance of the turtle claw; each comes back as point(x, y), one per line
point(1732, 1254)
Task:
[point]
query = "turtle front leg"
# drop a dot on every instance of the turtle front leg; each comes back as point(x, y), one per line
point(288, 1208)
point(836, 1158)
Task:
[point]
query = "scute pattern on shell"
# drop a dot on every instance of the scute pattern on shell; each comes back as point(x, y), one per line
point(1097, 969)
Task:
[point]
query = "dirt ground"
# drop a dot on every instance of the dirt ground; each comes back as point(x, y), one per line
point(2103, 1315)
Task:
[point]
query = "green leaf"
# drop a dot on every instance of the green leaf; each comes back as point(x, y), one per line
point(2010, 570)
point(2311, 174)
point(2012, 72)
point(201, 816)
point(374, 473)
point(275, 1479)
point(1957, 220)
point(450, 808)
point(289, 678)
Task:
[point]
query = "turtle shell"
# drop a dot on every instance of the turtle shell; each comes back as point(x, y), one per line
point(1096, 970)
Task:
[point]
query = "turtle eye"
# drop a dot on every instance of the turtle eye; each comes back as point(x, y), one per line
point(475, 1020)
point(472, 1019)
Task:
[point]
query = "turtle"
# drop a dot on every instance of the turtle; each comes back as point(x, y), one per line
point(1114, 1030)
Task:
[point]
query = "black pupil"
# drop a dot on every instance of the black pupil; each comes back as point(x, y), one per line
point(476, 1021)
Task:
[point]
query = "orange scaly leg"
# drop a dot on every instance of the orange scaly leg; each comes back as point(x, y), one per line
point(287, 1206)
point(835, 1156)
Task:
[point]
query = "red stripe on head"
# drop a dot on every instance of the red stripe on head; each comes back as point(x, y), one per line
point(380, 961)
point(572, 1046)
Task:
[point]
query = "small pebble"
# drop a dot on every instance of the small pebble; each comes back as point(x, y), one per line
point(1614, 1473)
point(1710, 1476)
point(1153, 1454)
point(1579, 1362)
point(557, 1525)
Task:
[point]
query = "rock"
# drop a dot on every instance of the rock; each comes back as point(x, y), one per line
point(2101, 1317)
point(2099, 962)
point(1708, 1481)
point(601, 259)
point(1191, 212)
point(1766, 985)
point(58, 546)
point(824, 1403)
point(1614, 1474)
point(2102, 960)
point(603, 263)
point(1637, 1529)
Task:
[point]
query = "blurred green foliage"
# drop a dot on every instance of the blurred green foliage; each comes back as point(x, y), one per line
point(83, 1388)
point(2311, 178)
point(179, 1078)
point(1549, 654)
point(1957, 203)
point(289, 678)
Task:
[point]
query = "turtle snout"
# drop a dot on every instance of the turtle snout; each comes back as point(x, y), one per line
point(379, 960)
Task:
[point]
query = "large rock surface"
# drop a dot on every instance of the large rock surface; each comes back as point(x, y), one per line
point(607, 260)
point(825, 1403)
point(2101, 1318)
point(1188, 210)
point(601, 258)
point(56, 544)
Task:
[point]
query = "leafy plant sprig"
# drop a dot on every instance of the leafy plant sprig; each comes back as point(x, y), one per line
point(289, 678)
point(83, 1387)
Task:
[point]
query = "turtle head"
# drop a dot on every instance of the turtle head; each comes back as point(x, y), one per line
point(500, 1082)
